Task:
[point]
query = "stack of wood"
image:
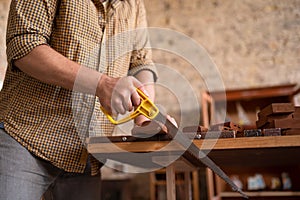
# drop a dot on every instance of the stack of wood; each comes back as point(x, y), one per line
point(221, 130)
point(279, 117)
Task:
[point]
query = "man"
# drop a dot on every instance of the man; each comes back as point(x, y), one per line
point(59, 58)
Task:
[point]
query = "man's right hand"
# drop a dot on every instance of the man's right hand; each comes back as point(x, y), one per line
point(119, 95)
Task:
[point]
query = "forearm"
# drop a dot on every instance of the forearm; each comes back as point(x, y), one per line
point(146, 78)
point(116, 95)
point(48, 66)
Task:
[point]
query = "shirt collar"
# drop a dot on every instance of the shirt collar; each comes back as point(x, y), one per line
point(115, 3)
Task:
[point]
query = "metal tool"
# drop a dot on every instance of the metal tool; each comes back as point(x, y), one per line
point(149, 110)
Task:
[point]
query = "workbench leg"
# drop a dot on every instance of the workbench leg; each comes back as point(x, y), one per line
point(152, 186)
point(196, 194)
point(210, 183)
point(171, 182)
point(187, 186)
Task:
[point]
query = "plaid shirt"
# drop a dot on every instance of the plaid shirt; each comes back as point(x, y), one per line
point(50, 121)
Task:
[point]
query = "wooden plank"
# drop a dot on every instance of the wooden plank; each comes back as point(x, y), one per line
point(272, 132)
point(196, 194)
point(276, 108)
point(285, 123)
point(263, 120)
point(296, 114)
point(291, 132)
point(129, 138)
point(256, 93)
point(171, 182)
point(182, 164)
point(263, 157)
point(187, 186)
point(250, 142)
point(148, 128)
point(263, 194)
point(137, 147)
point(226, 143)
point(222, 151)
point(210, 183)
point(152, 185)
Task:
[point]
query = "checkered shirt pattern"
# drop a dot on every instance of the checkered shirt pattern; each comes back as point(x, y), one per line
point(53, 122)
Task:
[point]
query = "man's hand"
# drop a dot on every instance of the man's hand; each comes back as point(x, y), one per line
point(119, 95)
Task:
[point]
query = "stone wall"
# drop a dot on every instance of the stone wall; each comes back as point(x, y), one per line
point(252, 42)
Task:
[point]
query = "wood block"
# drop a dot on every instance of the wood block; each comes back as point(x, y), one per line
point(296, 114)
point(194, 129)
point(195, 135)
point(218, 134)
point(267, 125)
point(219, 127)
point(195, 132)
point(277, 108)
point(267, 119)
point(252, 133)
point(227, 126)
point(261, 123)
point(128, 138)
point(291, 132)
point(236, 127)
point(272, 132)
point(285, 123)
point(149, 127)
point(207, 134)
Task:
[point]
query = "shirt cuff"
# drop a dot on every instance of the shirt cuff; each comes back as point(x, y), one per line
point(22, 45)
point(149, 67)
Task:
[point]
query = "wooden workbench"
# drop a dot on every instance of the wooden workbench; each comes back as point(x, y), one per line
point(227, 152)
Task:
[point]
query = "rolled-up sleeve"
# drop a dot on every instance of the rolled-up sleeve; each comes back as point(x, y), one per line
point(141, 58)
point(29, 24)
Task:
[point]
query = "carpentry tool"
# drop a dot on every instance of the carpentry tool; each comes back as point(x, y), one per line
point(149, 110)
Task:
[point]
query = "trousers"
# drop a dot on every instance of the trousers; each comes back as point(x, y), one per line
point(24, 176)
